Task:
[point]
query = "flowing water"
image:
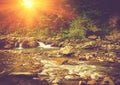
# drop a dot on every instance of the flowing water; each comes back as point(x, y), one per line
point(43, 45)
point(55, 70)
point(20, 46)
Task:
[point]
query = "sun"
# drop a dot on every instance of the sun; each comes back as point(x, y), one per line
point(28, 3)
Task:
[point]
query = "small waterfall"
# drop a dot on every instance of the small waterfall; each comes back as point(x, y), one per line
point(43, 45)
point(20, 46)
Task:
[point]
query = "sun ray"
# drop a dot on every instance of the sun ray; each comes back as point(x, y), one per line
point(28, 3)
point(28, 14)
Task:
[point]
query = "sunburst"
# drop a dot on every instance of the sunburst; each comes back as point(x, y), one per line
point(28, 3)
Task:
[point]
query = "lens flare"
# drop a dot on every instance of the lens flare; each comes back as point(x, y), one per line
point(29, 14)
point(28, 3)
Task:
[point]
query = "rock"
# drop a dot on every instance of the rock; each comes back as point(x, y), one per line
point(82, 58)
point(67, 50)
point(77, 46)
point(8, 46)
point(29, 44)
point(44, 82)
point(111, 60)
point(22, 74)
point(59, 61)
point(70, 62)
point(7, 43)
point(43, 77)
point(93, 37)
point(82, 82)
point(3, 73)
point(107, 81)
point(68, 77)
point(61, 44)
point(69, 82)
point(88, 44)
point(16, 44)
point(55, 84)
point(56, 80)
point(117, 82)
point(92, 82)
point(54, 44)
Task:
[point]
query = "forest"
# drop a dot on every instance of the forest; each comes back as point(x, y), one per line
point(59, 42)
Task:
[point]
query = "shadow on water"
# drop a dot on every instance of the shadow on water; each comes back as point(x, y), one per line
point(20, 80)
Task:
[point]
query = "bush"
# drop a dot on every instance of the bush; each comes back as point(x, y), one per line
point(64, 33)
point(80, 26)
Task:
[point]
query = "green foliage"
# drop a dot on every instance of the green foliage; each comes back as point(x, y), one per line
point(64, 33)
point(80, 26)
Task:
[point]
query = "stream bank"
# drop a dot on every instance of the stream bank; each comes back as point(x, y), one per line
point(77, 63)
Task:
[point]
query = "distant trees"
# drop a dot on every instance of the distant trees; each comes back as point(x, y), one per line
point(73, 18)
point(98, 12)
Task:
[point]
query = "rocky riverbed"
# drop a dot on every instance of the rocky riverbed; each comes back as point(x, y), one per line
point(71, 62)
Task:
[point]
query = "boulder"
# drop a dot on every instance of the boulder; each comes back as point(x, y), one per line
point(30, 44)
point(7, 43)
point(2, 43)
point(67, 50)
point(107, 81)
point(8, 46)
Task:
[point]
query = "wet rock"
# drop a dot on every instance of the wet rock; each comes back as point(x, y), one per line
point(107, 81)
point(69, 82)
point(57, 80)
point(44, 82)
point(70, 62)
point(72, 77)
point(78, 46)
point(82, 82)
point(8, 46)
point(7, 43)
point(55, 84)
point(67, 50)
point(82, 58)
point(61, 44)
point(93, 37)
point(85, 57)
point(92, 82)
point(60, 61)
point(96, 76)
point(42, 77)
point(29, 43)
point(3, 73)
point(89, 44)
point(111, 60)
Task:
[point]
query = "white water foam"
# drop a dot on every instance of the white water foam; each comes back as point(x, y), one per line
point(43, 45)
point(20, 46)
